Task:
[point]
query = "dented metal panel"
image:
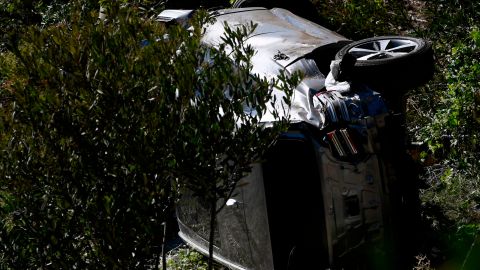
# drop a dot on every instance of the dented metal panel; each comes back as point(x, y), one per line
point(345, 175)
point(352, 200)
point(242, 236)
point(279, 38)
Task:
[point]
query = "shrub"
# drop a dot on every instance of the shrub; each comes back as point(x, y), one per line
point(97, 122)
point(450, 129)
point(80, 148)
point(185, 258)
point(357, 19)
point(453, 130)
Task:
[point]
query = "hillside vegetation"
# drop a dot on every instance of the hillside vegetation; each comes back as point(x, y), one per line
point(104, 123)
point(72, 125)
point(443, 116)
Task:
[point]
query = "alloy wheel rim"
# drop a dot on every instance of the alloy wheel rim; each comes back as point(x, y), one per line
point(383, 49)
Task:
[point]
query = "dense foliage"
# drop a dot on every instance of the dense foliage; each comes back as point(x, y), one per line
point(104, 123)
point(83, 143)
point(75, 141)
point(449, 125)
point(357, 19)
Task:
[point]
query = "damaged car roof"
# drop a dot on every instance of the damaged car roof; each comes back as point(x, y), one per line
point(279, 39)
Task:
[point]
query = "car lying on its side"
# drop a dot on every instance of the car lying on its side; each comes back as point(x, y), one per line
point(331, 191)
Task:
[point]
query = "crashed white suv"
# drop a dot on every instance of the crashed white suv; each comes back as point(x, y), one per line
point(333, 191)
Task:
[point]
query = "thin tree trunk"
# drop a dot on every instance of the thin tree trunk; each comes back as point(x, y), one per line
point(213, 213)
point(164, 256)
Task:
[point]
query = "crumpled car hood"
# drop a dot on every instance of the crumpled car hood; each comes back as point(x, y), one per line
point(279, 39)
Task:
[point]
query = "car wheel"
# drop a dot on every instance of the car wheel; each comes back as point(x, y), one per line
point(390, 62)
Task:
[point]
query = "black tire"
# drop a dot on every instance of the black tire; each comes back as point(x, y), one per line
point(324, 55)
point(390, 63)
